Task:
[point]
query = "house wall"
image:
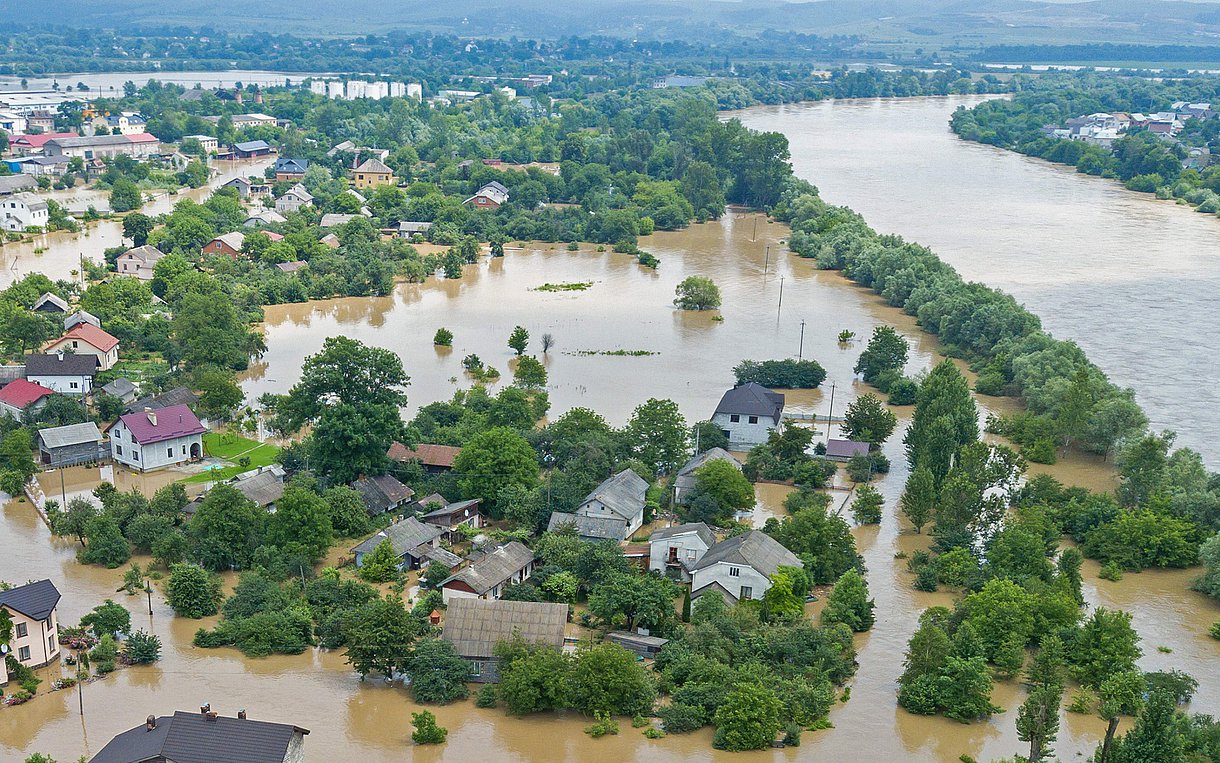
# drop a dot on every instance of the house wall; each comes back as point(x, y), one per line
point(484, 670)
point(457, 589)
point(296, 749)
point(129, 265)
point(288, 203)
point(691, 549)
point(722, 573)
point(158, 455)
point(220, 247)
point(483, 202)
point(16, 412)
point(41, 639)
point(16, 216)
point(741, 433)
point(595, 508)
point(71, 455)
point(67, 385)
point(105, 360)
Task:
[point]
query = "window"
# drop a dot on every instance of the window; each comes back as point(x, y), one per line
point(50, 644)
point(753, 419)
point(169, 452)
point(746, 593)
point(23, 630)
point(73, 385)
point(734, 418)
point(476, 668)
point(118, 450)
point(691, 554)
point(135, 454)
point(183, 450)
point(734, 572)
point(23, 654)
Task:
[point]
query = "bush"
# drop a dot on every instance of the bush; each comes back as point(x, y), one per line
point(192, 591)
point(443, 337)
point(679, 718)
point(786, 374)
point(143, 648)
point(1215, 630)
point(792, 735)
point(1041, 451)
point(604, 725)
point(902, 391)
point(426, 731)
point(105, 655)
point(486, 697)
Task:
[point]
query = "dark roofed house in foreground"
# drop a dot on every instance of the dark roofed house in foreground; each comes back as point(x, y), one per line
point(844, 450)
point(71, 445)
point(206, 737)
point(475, 626)
point(747, 414)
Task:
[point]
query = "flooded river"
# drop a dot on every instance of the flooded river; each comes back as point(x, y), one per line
point(1132, 280)
point(627, 307)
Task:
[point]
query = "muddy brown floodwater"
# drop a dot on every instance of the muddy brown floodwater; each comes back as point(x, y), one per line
point(629, 308)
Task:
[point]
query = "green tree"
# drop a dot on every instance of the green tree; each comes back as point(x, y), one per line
point(426, 730)
point(1121, 693)
point(142, 648)
point(964, 689)
point(434, 574)
point(349, 517)
point(785, 599)
point(748, 719)
point(868, 420)
point(635, 600)
point(136, 227)
point(380, 565)
point(945, 420)
point(1156, 735)
point(492, 460)
point(658, 435)
point(1038, 717)
point(104, 543)
point(886, 351)
point(519, 340)
point(724, 483)
point(226, 529)
point(192, 591)
point(219, 394)
point(697, 293)
point(386, 631)
point(532, 678)
point(1106, 644)
point(107, 617)
point(606, 678)
point(529, 373)
point(866, 508)
point(438, 674)
point(443, 337)
point(125, 196)
point(849, 603)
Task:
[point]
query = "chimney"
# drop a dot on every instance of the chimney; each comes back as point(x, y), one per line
point(59, 354)
point(241, 714)
point(151, 723)
point(211, 715)
point(203, 709)
point(152, 416)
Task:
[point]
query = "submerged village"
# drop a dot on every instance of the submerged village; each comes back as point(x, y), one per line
point(421, 529)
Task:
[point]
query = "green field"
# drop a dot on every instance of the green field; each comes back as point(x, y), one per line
point(232, 447)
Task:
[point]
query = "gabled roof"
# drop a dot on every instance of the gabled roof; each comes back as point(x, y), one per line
point(264, 486)
point(32, 203)
point(435, 498)
point(266, 217)
point(252, 145)
point(233, 239)
point(374, 166)
point(845, 448)
point(20, 182)
point(81, 316)
point(299, 191)
point(333, 219)
point(752, 549)
point(623, 494)
point(382, 492)
point(440, 456)
point(752, 399)
point(20, 393)
point(51, 299)
point(72, 434)
point(454, 508)
point(447, 558)
point(290, 267)
point(711, 454)
point(594, 528)
point(405, 536)
point(57, 365)
point(34, 600)
point(91, 335)
point(148, 427)
point(494, 568)
point(89, 141)
point(291, 166)
point(691, 528)
point(120, 387)
point(475, 626)
point(168, 398)
point(38, 141)
point(196, 738)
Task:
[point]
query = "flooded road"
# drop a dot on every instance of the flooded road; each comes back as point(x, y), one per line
point(1132, 280)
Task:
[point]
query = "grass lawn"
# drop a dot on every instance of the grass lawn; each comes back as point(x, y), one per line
point(232, 447)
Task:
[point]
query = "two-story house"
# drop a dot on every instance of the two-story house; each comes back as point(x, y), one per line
point(488, 577)
point(293, 199)
point(35, 639)
point(619, 497)
point(156, 439)
point(23, 210)
point(747, 414)
point(411, 540)
point(740, 567)
point(490, 196)
point(674, 550)
point(205, 736)
point(63, 372)
point(87, 339)
point(372, 173)
point(138, 262)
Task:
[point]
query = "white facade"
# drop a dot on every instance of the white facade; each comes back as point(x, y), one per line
point(158, 455)
point(595, 508)
point(676, 552)
point(743, 431)
point(740, 580)
point(377, 90)
point(77, 346)
point(356, 89)
point(318, 87)
point(12, 123)
point(415, 90)
point(292, 200)
point(23, 210)
point(65, 384)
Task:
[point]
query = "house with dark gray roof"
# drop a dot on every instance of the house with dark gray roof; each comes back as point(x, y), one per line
point(122, 388)
point(71, 445)
point(206, 737)
point(747, 414)
point(454, 515)
point(410, 538)
point(17, 183)
point(488, 577)
point(740, 567)
point(63, 372)
point(32, 608)
point(588, 527)
point(475, 626)
point(845, 450)
point(167, 399)
point(50, 303)
point(674, 550)
point(619, 497)
point(382, 493)
point(684, 480)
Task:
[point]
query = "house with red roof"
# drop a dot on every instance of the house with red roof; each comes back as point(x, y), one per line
point(31, 145)
point(19, 395)
point(150, 439)
point(87, 339)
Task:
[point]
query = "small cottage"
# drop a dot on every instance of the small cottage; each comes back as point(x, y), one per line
point(488, 577)
point(67, 374)
point(434, 458)
point(208, 737)
point(139, 262)
point(740, 567)
point(475, 626)
point(293, 199)
point(122, 388)
point(382, 493)
point(227, 244)
point(490, 196)
point(845, 450)
point(454, 515)
point(410, 538)
point(684, 480)
point(585, 527)
point(619, 497)
point(50, 303)
point(87, 339)
point(21, 395)
point(675, 550)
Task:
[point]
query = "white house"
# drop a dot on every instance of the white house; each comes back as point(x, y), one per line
point(209, 144)
point(32, 609)
point(747, 414)
point(488, 577)
point(740, 567)
point(684, 480)
point(65, 373)
point(674, 550)
point(87, 339)
point(23, 210)
point(618, 497)
point(139, 262)
point(155, 439)
point(293, 199)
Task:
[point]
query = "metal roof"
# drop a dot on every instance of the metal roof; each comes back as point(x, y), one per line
point(264, 487)
point(405, 536)
point(623, 494)
point(752, 549)
point(494, 568)
point(696, 528)
point(475, 626)
point(167, 399)
point(195, 738)
point(451, 509)
point(381, 493)
point(34, 600)
point(752, 399)
point(72, 434)
point(52, 299)
point(60, 365)
point(595, 528)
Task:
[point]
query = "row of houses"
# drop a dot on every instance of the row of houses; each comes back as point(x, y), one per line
point(1103, 128)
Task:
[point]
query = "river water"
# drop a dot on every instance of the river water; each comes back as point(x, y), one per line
point(1132, 280)
point(627, 307)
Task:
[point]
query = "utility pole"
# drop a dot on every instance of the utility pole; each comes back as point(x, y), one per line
point(63, 490)
point(800, 353)
point(767, 261)
point(830, 414)
point(148, 590)
point(781, 296)
point(754, 235)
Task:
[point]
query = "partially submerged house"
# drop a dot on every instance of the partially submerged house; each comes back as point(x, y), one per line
point(475, 626)
point(155, 439)
point(747, 414)
point(644, 646)
point(684, 479)
point(845, 450)
point(410, 539)
point(621, 496)
point(71, 445)
point(33, 609)
point(740, 567)
point(434, 458)
point(206, 737)
point(675, 550)
point(587, 527)
point(382, 493)
point(488, 577)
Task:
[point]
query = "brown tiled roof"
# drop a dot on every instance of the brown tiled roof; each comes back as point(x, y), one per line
point(475, 626)
point(428, 455)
